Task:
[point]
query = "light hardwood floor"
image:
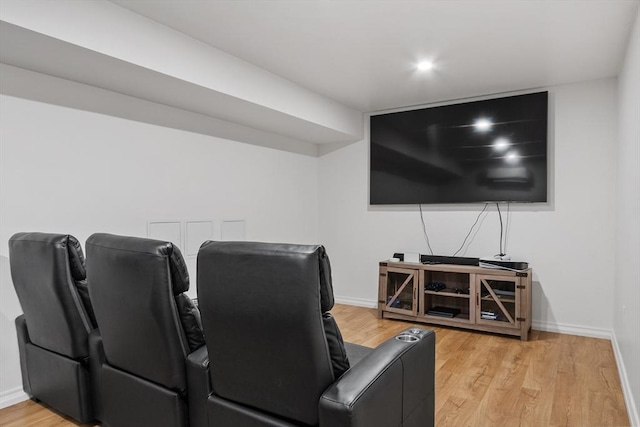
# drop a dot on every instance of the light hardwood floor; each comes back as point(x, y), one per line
point(481, 379)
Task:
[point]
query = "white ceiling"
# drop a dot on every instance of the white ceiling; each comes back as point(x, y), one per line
point(129, 66)
point(297, 75)
point(362, 53)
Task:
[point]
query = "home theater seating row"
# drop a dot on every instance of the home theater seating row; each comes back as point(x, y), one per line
point(118, 341)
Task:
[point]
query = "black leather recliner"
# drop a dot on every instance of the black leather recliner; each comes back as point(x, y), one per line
point(276, 354)
point(148, 329)
point(48, 273)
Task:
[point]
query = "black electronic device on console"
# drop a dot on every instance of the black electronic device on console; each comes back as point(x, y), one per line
point(511, 265)
point(436, 286)
point(458, 260)
point(439, 259)
point(443, 312)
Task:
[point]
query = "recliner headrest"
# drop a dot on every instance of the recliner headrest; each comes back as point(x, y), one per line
point(177, 266)
point(179, 272)
point(326, 286)
point(264, 249)
point(76, 259)
point(74, 249)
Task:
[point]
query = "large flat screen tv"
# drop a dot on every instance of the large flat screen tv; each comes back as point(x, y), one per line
point(493, 150)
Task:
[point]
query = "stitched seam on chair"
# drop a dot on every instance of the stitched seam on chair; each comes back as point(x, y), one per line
point(402, 393)
point(416, 408)
point(335, 401)
point(82, 311)
point(126, 250)
point(269, 252)
point(35, 241)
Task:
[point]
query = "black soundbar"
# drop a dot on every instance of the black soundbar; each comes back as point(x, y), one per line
point(458, 260)
point(438, 259)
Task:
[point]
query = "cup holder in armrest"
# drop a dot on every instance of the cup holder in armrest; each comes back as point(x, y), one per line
point(407, 338)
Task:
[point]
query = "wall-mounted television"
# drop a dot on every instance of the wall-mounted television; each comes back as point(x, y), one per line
point(493, 150)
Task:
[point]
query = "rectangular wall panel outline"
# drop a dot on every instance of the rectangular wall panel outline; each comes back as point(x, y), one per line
point(196, 233)
point(166, 230)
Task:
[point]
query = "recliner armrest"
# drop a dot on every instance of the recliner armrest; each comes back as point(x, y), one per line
point(198, 386)
point(392, 386)
point(23, 339)
point(96, 359)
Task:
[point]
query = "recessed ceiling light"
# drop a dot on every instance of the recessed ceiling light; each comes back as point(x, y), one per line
point(501, 144)
point(512, 157)
point(482, 125)
point(424, 65)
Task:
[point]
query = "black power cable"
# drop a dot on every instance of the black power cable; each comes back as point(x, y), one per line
point(471, 229)
point(424, 230)
point(501, 254)
point(507, 228)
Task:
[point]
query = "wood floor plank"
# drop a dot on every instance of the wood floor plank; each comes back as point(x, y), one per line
point(32, 414)
point(481, 379)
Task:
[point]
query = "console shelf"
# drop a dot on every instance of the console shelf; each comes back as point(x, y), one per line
point(448, 293)
point(477, 298)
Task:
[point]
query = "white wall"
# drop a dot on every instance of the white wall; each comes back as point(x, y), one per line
point(69, 171)
point(627, 278)
point(569, 243)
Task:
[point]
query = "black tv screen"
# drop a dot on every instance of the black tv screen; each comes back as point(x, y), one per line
point(493, 150)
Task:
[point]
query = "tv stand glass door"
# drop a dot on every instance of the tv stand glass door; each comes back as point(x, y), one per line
point(496, 297)
point(400, 290)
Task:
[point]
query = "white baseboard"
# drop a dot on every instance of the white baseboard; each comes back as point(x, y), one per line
point(13, 396)
point(632, 410)
point(359, 302)
point(583, 331)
